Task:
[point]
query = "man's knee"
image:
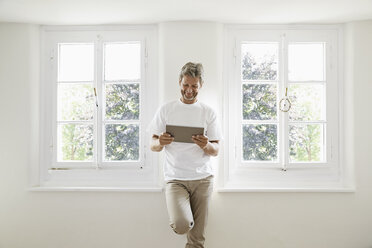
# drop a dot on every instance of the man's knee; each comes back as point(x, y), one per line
point(182, 226)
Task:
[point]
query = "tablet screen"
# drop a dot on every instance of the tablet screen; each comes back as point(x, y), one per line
point(184, 134)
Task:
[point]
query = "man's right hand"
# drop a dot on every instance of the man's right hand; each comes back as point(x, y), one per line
point(165, 139)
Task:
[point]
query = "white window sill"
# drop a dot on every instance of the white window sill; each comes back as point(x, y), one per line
point(319, 180)
point(284, 189)
point(95, 189)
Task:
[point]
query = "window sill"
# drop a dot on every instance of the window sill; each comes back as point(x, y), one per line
point(94, 189)
point(286, 189)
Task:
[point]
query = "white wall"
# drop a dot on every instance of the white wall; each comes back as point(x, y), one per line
point(119, 219)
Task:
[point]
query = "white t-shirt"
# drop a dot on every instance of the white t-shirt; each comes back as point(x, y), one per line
point(186, 161)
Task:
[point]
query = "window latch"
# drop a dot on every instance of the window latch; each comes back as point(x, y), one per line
point(95, 96)
point(285, 104)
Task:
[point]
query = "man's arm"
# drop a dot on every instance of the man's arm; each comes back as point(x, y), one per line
point(158, 142)
point(155, 144)
point(211, 148)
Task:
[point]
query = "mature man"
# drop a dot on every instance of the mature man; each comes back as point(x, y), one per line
point(188, 172)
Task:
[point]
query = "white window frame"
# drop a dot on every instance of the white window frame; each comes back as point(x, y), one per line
point(331, 175)
point(140, 175)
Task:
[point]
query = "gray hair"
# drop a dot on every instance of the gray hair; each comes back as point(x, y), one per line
point(193, 70)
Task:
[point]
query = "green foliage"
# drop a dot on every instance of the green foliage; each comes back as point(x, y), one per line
point(77, 142)
point(259, 142)
point(258, 71)
point(122, 142)
point(304, 142)
point(122, 101)
point(259, 102)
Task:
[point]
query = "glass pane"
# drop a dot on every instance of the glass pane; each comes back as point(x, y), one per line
point(306, 62)
point(122, 142)
point(259, 101)
point(75, 142)
point(260, 142)
point(307, 102)
point(306, 143)
point(75, 101)
point(122, 61)
point(76, 62)
point(259, 61)
point(122, 101)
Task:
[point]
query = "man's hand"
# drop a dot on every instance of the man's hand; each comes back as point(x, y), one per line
point(200, 140)
point(165, 139)
point(209, 147)
point(158, 142)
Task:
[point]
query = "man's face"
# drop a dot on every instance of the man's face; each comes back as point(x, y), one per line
point(189, 88)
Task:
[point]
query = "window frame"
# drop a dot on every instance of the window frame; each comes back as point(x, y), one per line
point(118, 175)
point(265, 176)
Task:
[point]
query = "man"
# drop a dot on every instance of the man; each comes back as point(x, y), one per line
point(188, 172)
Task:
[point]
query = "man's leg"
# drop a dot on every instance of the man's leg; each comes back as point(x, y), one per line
point(179, 209)
point(201, 191)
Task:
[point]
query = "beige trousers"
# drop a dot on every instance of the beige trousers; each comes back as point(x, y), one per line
point(187, 203)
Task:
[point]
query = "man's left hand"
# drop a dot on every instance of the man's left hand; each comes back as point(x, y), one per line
point(200, 140)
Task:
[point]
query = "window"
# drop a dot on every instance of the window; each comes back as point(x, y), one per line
point(283, 90)
point(97, 97)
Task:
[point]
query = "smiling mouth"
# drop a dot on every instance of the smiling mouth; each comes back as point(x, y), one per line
point(189, 96)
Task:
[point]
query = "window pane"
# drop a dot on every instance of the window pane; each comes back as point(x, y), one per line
point(75, 101)
point(306, 62)
point(259, 61)
point(75, 142)
point(306, 143)
point(76, 62)
point(122, 101)
point(259, 101)
point(122, 61)
point(260, 142)
point(122, 142)
point(307, 102)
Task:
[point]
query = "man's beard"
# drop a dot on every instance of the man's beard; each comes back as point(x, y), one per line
point(194, 94)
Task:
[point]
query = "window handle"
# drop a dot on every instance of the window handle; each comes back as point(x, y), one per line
point(285, 104)
point(95, 96)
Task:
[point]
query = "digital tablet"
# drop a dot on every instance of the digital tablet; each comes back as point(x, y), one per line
point(184, 134)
